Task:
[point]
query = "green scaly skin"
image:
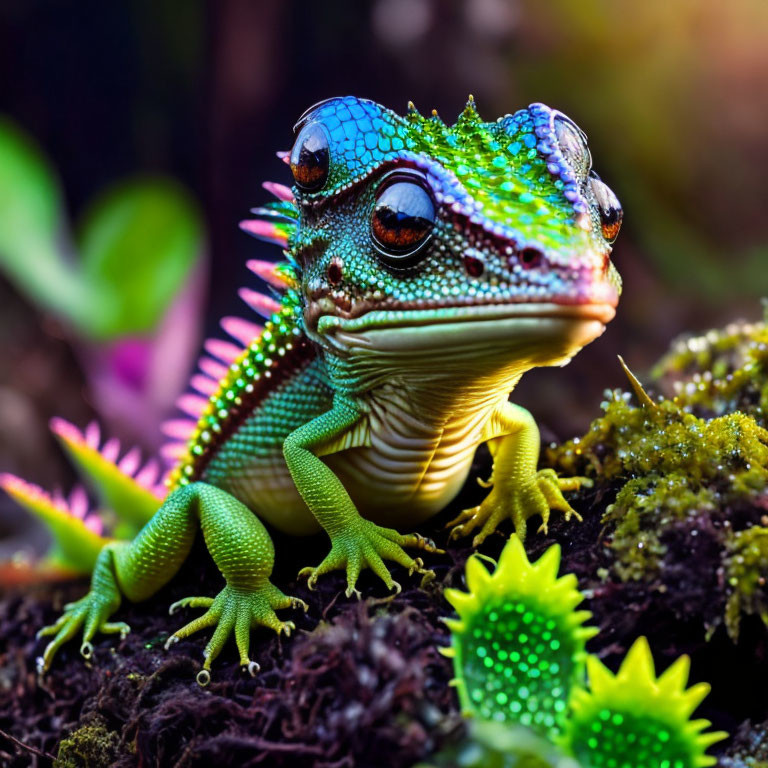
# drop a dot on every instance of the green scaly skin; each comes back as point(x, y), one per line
point(409, 314)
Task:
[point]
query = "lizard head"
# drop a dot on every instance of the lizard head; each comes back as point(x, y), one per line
point(482, 240)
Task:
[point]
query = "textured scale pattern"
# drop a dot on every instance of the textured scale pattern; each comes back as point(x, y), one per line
point(272, 355)
point(250, 462)
point(518, 646)
point(510, 170)
point(515, 223)
point(512, 216)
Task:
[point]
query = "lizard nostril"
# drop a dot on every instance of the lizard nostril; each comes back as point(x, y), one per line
point(530, 257)
point(474, 266)
point(335, 272)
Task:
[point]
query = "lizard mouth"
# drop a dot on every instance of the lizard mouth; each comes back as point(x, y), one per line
point(601, 313)
point(578, 299)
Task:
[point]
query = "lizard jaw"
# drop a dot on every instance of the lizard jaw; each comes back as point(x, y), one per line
point(602, 313)
point(513, 338)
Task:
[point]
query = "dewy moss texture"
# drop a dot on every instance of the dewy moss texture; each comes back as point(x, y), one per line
point(696, 461)
point(721, 371)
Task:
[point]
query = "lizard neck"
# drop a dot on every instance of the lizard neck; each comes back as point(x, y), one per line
point(446, 399)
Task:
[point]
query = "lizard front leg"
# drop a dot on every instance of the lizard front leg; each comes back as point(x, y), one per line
point(355, 541)
point(518, 490)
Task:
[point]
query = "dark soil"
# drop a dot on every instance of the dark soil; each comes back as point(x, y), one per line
point(359, 684)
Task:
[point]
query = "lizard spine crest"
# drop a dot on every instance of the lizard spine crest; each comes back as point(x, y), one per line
point(234, 379)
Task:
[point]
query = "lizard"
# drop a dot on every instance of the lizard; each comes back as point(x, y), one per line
point(428, 266)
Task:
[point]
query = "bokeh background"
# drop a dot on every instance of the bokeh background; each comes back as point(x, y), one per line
point(137, 135)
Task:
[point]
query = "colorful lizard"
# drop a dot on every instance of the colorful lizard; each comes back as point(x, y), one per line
point(429, 266)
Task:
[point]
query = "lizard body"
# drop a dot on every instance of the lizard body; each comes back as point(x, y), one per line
point(430, 266)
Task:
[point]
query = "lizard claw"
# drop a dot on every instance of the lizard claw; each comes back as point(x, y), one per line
point(310, 574)
point(297, 603)
point(234, 612)
point(542, 493)
point(368, 545)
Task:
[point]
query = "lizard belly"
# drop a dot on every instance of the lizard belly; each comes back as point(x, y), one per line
point(401, 491)
point(410, 471)
point(397, 487)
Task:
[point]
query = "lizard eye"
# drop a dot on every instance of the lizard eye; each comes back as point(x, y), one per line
point(608, 206)
point(573, 144)
point(310, 158)
point(403, 218)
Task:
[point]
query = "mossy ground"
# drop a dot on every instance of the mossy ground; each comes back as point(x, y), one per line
point(362, 684)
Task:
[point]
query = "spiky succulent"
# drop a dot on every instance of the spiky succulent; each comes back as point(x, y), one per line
point(518, 644)
point(634, 719)
point(518, 649)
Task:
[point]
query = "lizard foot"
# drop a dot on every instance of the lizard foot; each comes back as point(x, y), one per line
point(90, 614)
point(368, 545)
point(235, 611)
point(543, 493)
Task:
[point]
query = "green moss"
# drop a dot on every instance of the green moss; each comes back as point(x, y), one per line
point(746, 567)
point(644, 508)
point(670, 465)
point(93, 745)
point(721, 371)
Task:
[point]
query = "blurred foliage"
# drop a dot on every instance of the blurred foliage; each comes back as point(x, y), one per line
point(673, 97)
point(136, 245)
point(499, 745)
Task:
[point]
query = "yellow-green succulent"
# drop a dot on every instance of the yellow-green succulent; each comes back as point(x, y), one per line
point(518, 650)
point(633, 719)
point(518, 644)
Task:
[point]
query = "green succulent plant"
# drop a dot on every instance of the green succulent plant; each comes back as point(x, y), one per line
point(634, 719)
point(518, 649)
point(518, 644)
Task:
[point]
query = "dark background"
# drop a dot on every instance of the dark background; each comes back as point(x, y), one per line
point(674, 98)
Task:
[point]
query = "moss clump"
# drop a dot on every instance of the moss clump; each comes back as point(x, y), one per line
point(644, 508)
point(670, 466)
point(721, 371)
point(695, 464)
point(746, 568)
point(92, 745)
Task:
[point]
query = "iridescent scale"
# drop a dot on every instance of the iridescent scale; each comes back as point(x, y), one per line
point(511, 173)
point(268, 359)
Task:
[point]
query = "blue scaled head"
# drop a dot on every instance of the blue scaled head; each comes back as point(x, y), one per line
point(406, 214)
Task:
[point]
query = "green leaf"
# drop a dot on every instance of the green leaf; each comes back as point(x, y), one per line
point(138, 242)
point(33, 245)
